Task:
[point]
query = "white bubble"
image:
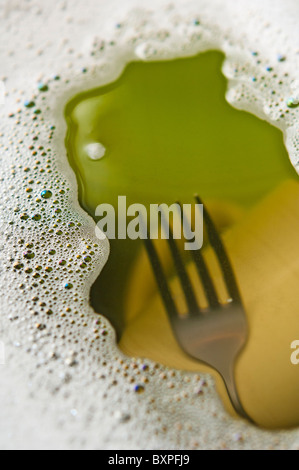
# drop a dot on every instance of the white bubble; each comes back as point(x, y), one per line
point(95, 151)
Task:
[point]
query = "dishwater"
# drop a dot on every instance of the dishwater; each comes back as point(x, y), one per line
point(163, 132)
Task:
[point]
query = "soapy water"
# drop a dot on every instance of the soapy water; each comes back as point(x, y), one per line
point(2, 353)
point(2, 92)
point(52, 257)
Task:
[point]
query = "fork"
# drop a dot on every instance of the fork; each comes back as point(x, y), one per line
point(215, 335)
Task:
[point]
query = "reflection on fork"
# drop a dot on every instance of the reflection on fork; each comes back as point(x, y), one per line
point(215, 335)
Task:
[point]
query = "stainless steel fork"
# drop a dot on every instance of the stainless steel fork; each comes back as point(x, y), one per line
point(215, 335)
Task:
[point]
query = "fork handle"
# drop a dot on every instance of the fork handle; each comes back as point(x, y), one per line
point(229, 380)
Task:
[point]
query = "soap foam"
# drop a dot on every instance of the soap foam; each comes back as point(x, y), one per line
point(95, 151)
point(76, 378)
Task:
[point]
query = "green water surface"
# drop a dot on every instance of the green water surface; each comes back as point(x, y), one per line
point(168, 133)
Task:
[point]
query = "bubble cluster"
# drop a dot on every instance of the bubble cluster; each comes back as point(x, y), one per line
point(50, 255)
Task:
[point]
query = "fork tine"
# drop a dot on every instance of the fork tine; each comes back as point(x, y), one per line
point(203, 272)
point(206, 279)
point(220, 251)
point(161, 279)
point(182, 273)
